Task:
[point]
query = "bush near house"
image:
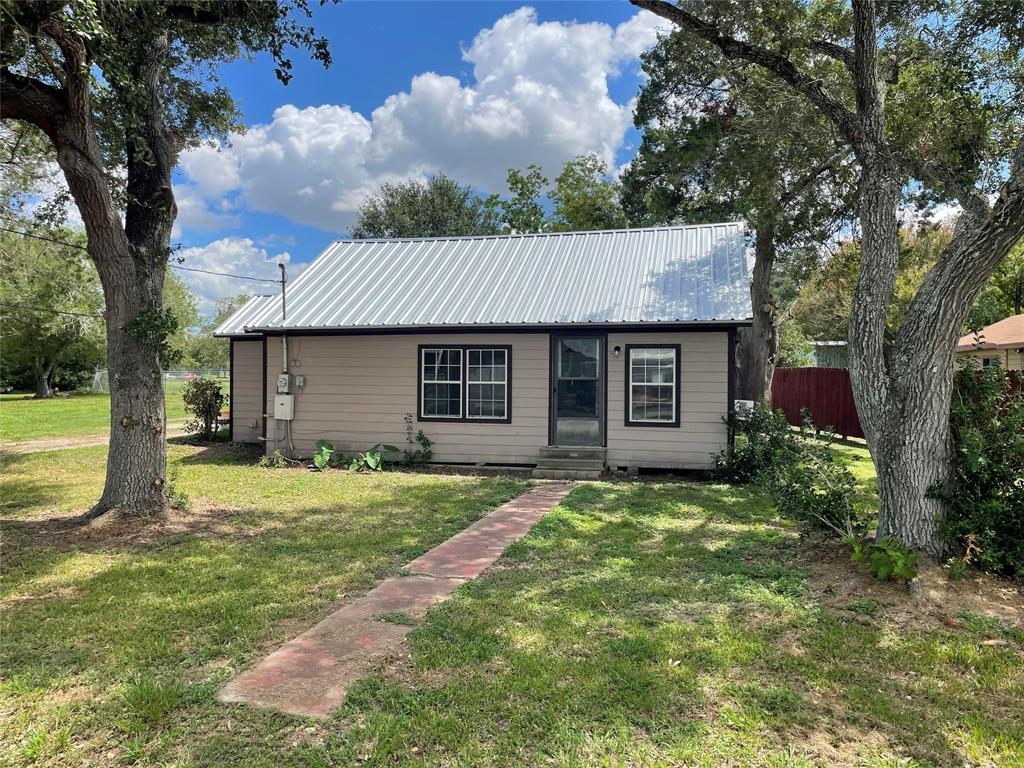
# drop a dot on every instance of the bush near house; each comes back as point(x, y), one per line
point(203, 400)
point(986, 493)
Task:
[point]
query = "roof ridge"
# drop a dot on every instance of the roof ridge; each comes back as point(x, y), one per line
point(515, 235)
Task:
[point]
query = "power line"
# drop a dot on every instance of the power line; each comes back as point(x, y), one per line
point(172, 266)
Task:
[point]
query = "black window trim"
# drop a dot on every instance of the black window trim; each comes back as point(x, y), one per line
point(464, 392)
point(627, 372)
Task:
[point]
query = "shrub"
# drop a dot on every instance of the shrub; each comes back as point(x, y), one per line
point(884, 559)
point(764, 440)
point(818, 492)
point(203, 400)
point(372, 459)
point(413, 454)
point(985, 495)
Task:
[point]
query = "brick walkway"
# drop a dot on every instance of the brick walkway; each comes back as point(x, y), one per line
point(311, 674)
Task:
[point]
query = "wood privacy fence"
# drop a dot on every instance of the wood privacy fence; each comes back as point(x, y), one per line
point(828, 395)
point(825, 392)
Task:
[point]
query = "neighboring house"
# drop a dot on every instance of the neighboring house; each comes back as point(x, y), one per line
point(1001, 343)
point(561, 350)
point(829, 354)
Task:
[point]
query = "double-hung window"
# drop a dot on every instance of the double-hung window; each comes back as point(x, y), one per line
point(652, 394)
point(464, 383)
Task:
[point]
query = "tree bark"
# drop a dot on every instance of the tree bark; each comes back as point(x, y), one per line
point(43, 371)
point(759, 345)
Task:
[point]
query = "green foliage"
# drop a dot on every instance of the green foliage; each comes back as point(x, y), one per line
point(322, 457)
point(1003, 294)
point(51, 327)
point(178, 498)
point(584, 198)
point(817, 491)
point(418, 447)
point(437, 207)
point(202, 350)
point(884, 559)
point(803, 478)
point(795, 350)
point(985, 493)
point(372, 459)
point(203, 400)
point(155, 327)
point(763, 440)
point(523, 211)
point(180, 301)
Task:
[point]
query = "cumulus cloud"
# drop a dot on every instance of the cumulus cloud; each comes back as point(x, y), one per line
point(236, 255)
point(539, 94)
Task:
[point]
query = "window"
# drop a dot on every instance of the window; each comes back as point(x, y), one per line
point(487, 389)
point(442, 383)
point(652, 397)
point(464, 383)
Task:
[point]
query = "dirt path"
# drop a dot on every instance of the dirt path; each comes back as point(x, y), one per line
point(174, 429)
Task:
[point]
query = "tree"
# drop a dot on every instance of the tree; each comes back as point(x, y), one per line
point(437, 207)
point(723, 143)
point(1003, 294)
point(180, 301)
point(52, 302)
point(119, 89)
point(929, 94)
point(584, 198)
point(523, 211)
point(204, 351)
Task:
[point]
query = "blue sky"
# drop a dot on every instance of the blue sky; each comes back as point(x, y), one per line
point(468, 88)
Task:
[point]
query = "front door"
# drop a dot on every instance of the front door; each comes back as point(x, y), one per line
point(577, 395)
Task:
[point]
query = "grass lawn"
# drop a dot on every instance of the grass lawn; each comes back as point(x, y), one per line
point(639, 623)
point(23, 418)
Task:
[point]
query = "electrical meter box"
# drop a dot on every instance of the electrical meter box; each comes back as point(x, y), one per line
point(284, 383)
point(284, 407)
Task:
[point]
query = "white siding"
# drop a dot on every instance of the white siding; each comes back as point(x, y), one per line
point(247, 399)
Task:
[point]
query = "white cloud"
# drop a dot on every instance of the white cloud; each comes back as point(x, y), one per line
point(236, 255)
point(539, 95)
point(196, 214)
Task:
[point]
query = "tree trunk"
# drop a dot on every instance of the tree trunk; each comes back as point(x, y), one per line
point(759, 344)
point(42, 374)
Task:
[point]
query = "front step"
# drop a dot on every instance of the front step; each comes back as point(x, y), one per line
point(566, 474)
point(572, 452)
point(557, 462)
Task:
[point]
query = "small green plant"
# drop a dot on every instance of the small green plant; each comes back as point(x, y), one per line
point(322, 457)
point(885, 559)
point(818, 492)
point(203, 400)
point(957, 569)
point(276, 461)
point(763, 440)
point(178, 498)
point(148, 700)
point(416, 455)
point(372, 459)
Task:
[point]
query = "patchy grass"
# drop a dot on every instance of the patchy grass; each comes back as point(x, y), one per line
point(645, 624)
point(78, 415)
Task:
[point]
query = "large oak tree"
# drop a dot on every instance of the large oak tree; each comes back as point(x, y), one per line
point(931, 101)
point(120, 89)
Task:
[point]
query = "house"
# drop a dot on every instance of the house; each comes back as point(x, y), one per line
point(564, 351)
point(1001, 343)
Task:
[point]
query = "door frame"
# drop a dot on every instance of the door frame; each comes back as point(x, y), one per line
point(602, 340)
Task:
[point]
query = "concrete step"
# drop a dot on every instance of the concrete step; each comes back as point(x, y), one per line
point(573, 452)
point(548, 462)
point(566, 474)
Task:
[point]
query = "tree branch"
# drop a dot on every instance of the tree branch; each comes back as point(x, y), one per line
point(833, 51)
point(812, 88)
point(31, 100)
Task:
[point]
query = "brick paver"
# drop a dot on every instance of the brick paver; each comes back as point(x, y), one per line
point(311, 674)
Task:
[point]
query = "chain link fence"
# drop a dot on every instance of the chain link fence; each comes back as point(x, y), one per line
point(101, 380)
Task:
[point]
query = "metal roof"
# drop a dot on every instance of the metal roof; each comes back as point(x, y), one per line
point(668, 275)
point(236, 324)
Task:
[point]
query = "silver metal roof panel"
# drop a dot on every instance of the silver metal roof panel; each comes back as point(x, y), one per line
point(658, 275)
